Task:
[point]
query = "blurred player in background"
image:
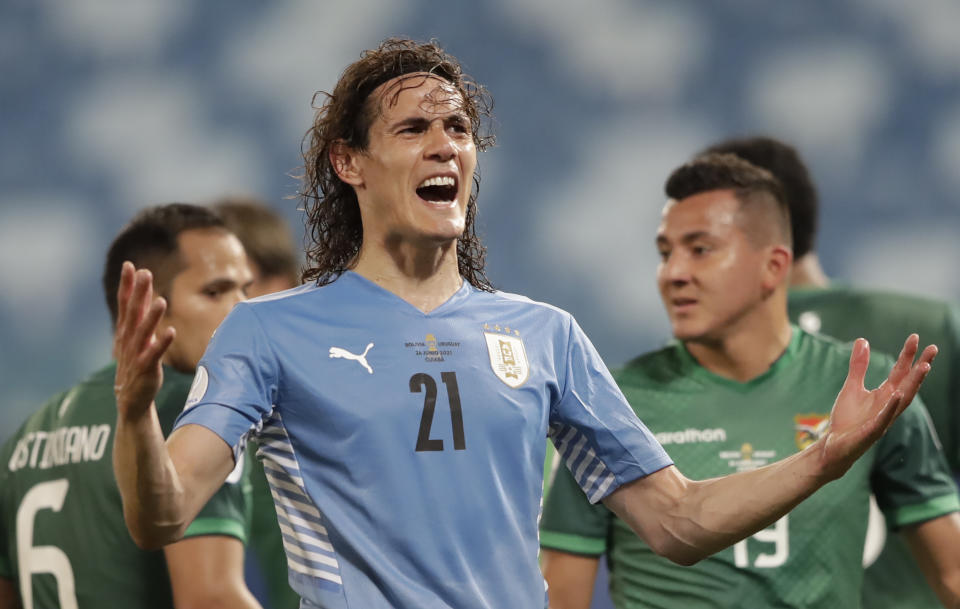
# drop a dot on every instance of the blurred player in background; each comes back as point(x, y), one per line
point(273, 254)
point(742, 387)
point(894, 581)
point(401, 403)
point(63, 542)
point(274, 261)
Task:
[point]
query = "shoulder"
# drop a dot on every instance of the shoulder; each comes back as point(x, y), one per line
point(520, 301)
point(527, 315)
point(922, 312)
point(306, 294)
point(41, 419)
point(654, 369)
point(825, 351)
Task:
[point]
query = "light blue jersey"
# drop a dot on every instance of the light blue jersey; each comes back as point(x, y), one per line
point(405, 449)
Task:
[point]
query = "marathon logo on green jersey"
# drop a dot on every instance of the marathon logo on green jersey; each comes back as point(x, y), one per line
point(46, 449)
point(692, 436)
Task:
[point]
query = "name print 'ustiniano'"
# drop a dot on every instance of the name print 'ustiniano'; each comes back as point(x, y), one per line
point(43, 449)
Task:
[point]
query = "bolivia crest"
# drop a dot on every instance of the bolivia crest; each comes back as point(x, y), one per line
point(809, 428)
point(508, 358)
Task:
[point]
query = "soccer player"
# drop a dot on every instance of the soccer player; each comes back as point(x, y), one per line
point(267, 239)
point(401, 403)
point(63, 542)
point(893, 581)
point(273, 259)
point(739, 388)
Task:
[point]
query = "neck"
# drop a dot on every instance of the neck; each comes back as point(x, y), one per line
point(749, 349)
point(426, 276)
point(807, 272)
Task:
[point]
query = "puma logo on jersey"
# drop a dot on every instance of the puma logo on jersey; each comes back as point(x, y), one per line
point(361, 359)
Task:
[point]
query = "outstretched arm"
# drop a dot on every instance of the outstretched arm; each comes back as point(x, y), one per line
point(163, 485)
point(688, 520)
point(206, 572)
point(570, 578)
point(936, 546)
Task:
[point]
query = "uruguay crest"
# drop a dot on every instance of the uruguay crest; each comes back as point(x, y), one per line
point(508, 358)
point(809, 428)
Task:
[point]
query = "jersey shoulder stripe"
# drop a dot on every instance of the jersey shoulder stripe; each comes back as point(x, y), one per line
point(590, 472)
point(302, 525)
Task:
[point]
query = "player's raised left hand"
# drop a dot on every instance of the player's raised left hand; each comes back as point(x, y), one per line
point(137, 348)
point(860, 417)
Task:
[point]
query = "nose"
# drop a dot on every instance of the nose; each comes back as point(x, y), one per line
point(675, 270)
point(439, 145)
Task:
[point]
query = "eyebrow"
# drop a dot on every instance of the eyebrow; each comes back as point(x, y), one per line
point(422, 121)
point(220, 284)
point(686, 238)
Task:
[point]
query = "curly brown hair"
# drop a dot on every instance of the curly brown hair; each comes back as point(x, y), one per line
point(333, 219)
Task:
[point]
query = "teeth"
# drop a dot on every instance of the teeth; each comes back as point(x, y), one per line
point(438, 181)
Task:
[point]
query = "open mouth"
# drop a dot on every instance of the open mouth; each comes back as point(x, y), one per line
point(440, 189)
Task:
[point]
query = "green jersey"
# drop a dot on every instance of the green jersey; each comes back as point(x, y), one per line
point(712, 426)
point(894, 581)
point(63, 539)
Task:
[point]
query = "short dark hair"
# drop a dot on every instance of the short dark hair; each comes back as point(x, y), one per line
point(264, 234)
point(150, 241)
point(800, 193)
point(751, 185)
point(333, 214)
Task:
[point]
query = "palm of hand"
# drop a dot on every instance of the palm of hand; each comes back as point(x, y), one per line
point(860, 417)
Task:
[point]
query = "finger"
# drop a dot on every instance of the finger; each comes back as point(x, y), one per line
point(142, 280)
point(929, 353)
point(904, 361)
point(155, 351)
point(909, 386)
point(123, 291)
point(859, 360)
point(890, 411)
point(144, 332)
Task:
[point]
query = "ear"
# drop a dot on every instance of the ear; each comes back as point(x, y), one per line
point(343, 158)
point(777, 266)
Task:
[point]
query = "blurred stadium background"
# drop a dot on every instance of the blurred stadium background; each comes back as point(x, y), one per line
point(111, 105)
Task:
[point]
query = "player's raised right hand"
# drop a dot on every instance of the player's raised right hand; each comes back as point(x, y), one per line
point(137, 348)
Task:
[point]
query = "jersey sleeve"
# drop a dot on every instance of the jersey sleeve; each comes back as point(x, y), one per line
point(570, 523)
point(236, 381)
point(950, 348)
point(910, 477)
point(226, 512)
point(597, 434)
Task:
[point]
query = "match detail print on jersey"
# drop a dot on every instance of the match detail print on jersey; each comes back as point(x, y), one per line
point(361, 359)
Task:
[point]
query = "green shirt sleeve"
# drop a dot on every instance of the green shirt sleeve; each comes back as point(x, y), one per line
point(910, 477)
point(949, 358)
point(227, 511)
point(570, 523)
